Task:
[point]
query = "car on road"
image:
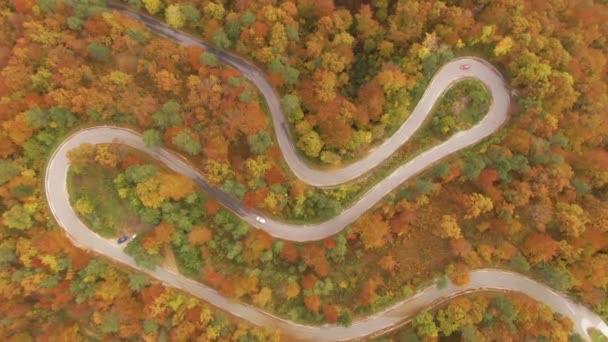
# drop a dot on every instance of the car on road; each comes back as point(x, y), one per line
point(260, 219)
point(122, 239)
point(465, 67)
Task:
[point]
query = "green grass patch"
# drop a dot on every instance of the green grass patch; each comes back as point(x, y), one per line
point(461, 107)
point(597, 336)
point(94, 198)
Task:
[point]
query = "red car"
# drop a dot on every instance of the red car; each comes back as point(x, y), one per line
point(465, 67)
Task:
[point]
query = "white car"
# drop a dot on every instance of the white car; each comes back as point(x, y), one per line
point(260, 219)
point(465, 67)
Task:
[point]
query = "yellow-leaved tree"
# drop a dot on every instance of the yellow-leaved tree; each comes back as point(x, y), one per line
point(449, 228)
point(174, 16)
point(153, 6)
point(149, 194)
point(477, 204)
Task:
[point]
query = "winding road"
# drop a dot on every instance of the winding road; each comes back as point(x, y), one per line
point(481, 280)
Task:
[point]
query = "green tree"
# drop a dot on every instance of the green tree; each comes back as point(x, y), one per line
point(168, 116)
point(18, 217)
point(245, 96)
point(47, 5)
point(532, 74)
point(36, 118)
point(221, 40)
point(472, 167)
point(191, 13)
point(150, 327)
point(235, 81)
point(292, 107)
point(149, 216)
point(85, 282)
point(185, 142)
point(259, 143)
point(23, 190)
point(247, 18)
point(42, 80)
point(424, 325)
point(319, 205)
point(345, 320)
point(152, 138)
point(520, 263)
point(74, 23)
point(234, 188)
point(110, 324)
point(439, 171)
point(7, 255)
point(423, 187)
point(143, 259)
point(558, 278)
point(63, 117)
point(35, 151)
point(86, 8)
point(292, 34)
point(291, 75)
point(138, 281)
point(208, 59)
point(338, 253)
point(581, 187)
point(190, 259)
point(601, 308)
point(8, 170)
point(99, 52)
point(452, 318)
point(506, 309)
point(137, 35)
point(233, 29)
point(139, 173)
point(442, 282)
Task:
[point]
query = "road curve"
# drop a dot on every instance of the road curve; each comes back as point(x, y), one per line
point(481, 280)
point(58, 198)
point(317, 231)
point(447, 76)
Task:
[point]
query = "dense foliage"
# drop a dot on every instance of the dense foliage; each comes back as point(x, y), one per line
point(487, 317)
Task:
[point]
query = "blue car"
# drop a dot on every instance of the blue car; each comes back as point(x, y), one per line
point(122, 239)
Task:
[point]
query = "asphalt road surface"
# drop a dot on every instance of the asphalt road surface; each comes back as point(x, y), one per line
point(481, 280)
point(448, 75)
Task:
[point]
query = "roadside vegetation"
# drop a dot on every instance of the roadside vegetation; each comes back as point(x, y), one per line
point(304, 282)
point(460, 108)
point(486, 317)
point(597, 336)
point(90, 182)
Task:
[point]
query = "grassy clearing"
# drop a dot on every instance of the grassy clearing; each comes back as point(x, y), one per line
point(93, 187)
